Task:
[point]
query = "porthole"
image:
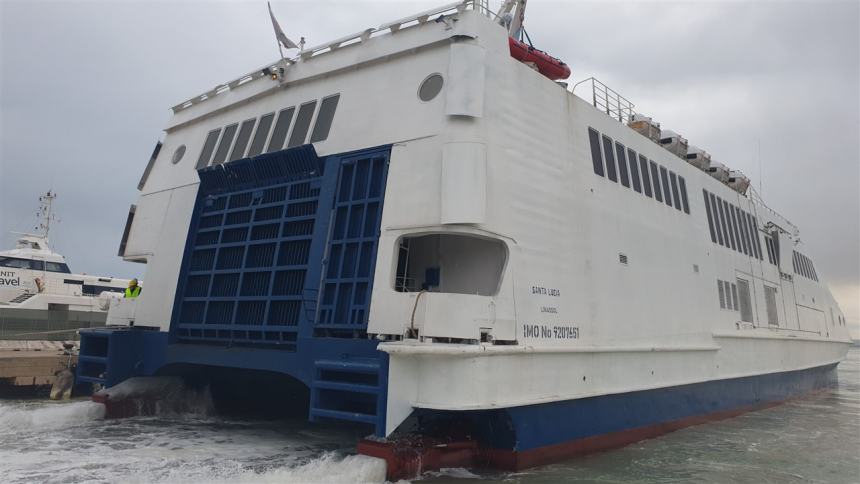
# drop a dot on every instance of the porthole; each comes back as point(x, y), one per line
point(430, 87)
point(178, 154)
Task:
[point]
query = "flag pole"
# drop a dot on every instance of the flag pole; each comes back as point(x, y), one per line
point(277, 40)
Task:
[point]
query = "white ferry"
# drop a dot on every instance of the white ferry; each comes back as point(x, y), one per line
point(40, 297)
point(420, 228)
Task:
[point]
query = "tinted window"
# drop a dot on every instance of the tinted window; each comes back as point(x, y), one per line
point(634, 170)
point(683, 187)
point(717, 223)
point(303, 123)
point(739, 228)
point(756, 242)
point(727, 211)
point(664, 180)
point(14, 263)
point(710, 219)
point(224, 144)
point(722, 217)
point(281, 128)
point(734, 227)
point(673, 180)
point(655, 177)
point(261, 135)
point(646, 179)
point(622, 165)
point(325, 118)
point(596, 158)
point(610, 159)
point(208, 148)
point(745, 230)
point(57, 267)
point(149, 166)
point(242, 139)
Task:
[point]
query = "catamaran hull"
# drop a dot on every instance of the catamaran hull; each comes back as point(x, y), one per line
point(527, 436)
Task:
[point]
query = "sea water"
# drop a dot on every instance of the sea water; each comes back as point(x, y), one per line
point(811, 439)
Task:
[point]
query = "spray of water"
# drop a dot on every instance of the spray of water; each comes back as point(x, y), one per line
point(32, 416)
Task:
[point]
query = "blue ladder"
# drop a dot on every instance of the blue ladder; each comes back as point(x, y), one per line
point(352, 389)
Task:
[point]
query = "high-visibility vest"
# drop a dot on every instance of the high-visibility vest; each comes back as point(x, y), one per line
point(132, 293)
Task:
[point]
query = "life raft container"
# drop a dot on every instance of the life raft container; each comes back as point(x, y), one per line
point(546, 64)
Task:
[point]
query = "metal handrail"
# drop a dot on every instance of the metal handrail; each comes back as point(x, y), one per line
point(359, 37)
point(608, 100)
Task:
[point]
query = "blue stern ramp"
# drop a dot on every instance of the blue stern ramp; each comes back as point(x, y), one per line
point(275, 281)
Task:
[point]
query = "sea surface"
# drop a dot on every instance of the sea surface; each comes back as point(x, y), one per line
point(813, 439)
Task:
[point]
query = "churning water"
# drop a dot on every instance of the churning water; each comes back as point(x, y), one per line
point(813, 439)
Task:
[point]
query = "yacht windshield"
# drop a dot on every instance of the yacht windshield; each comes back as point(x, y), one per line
point(35, 265)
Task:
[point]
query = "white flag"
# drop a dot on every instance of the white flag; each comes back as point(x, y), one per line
point(282, 38)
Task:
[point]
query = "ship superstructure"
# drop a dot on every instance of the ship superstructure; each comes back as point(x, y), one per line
point(411, 229)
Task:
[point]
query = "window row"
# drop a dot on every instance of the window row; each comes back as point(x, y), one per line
point(803, 266)
point(772, 253)
point(241, 140)
point(732, 227)
point(34, 265)
point(621, 164)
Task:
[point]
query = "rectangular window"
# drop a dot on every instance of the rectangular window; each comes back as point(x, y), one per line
point(683, 187)
point(303, 123)
point(325, 118)
point(208, 148)
point(710, 219)
point(260, 136)
point(727, 211)
point(794, 261)
point(723, 225)
point(282, 125)
point(734, 297)
point(655, 177)
point(224, 144)
point(804, 266)
point(610, 159)
point(746, 232)
point(717, 221)
point(596, 157)
point(634, 170)
point(149, 165)
point(745, 301)
point(721, 293)
point(757, 242)
point(646, 180)
point(676, 197)
point(735, 230)
point(622, 165)
point(741, 233)
point(242, 139)
point(770, 302)
point(664, 180)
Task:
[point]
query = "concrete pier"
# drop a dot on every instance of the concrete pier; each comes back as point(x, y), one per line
point(30, 366)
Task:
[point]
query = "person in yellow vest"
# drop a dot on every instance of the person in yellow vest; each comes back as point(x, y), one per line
point(133, 290)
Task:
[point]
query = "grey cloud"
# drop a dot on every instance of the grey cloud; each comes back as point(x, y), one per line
point(85, 90)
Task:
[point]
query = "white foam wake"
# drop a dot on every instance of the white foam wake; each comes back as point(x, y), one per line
point(34, 417)
point(329, 468)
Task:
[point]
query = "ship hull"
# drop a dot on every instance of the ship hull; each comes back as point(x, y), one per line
point(517, 438)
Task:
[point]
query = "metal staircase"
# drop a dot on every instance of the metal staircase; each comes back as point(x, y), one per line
point(350, 389)
point(22, 297)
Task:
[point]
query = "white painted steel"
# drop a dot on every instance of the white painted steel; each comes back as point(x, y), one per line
point(503, 152)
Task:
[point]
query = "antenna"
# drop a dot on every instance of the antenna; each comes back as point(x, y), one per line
point(45, 213)
point(760, 176)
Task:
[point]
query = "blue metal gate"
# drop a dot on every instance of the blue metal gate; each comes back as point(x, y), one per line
point(269, 235)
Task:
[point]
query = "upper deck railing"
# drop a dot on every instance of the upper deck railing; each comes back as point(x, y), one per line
point(331, 46)
point(607, 100)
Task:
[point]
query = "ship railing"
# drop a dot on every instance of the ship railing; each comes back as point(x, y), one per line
point(608, 100)
point(331, 46)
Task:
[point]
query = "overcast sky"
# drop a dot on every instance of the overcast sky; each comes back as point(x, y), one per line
point(85, 89)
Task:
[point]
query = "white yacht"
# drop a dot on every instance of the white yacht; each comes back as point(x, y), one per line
point(40, 297)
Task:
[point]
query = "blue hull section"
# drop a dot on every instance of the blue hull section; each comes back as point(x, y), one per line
point(275, 279)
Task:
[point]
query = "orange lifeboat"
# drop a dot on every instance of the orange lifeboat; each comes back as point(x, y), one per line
point(546, 64)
